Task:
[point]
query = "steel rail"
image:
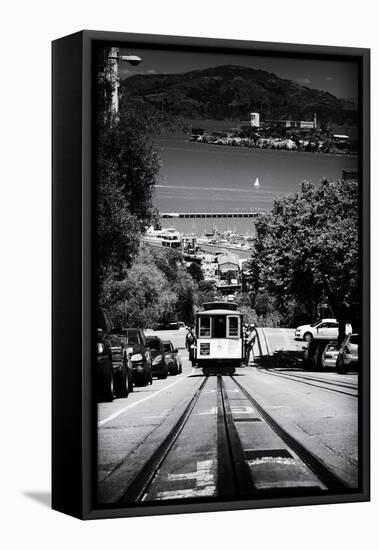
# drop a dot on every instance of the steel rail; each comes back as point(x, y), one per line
point(141, 482)
point(328, 478)
point(323, 380)
point(234, 475)
point(303, 380)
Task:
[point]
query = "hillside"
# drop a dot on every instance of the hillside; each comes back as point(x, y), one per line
point(230, 92)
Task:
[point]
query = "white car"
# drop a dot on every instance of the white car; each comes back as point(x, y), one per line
point(330, 355)
point(325, 329)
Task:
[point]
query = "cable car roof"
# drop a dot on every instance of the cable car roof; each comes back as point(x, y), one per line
point(219, 312)
point(230, 306)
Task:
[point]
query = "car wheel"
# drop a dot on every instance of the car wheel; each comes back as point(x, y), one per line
point(121, 382)
point(108, 385)
point(130, 382)
point(143, 379)
point(308, 337)
point(340, 366)
point(120, 385)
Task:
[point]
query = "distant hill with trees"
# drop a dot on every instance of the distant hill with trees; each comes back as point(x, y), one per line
point(230, 92)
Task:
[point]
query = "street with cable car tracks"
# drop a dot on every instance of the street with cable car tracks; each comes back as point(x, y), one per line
point(308, 378)
point(235, 437)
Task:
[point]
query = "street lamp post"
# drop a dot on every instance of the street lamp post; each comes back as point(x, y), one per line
point(114, 57)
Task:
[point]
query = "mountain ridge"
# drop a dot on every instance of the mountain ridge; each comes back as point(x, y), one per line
point(233, 91)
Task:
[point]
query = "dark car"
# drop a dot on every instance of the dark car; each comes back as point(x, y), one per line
point(159, 365)
point(139, 354)
point(114, 376)
point(318, 354)
point(174, 363)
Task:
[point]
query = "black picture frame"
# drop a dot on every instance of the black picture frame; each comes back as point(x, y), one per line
point(73, 430)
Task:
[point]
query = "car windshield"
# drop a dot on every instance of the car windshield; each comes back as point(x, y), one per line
point(354, 339)
point(167, 347)
point(316, 323)
point(132, 337)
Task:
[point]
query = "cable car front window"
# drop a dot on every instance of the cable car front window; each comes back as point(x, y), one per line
point(233, 327)
point(204, 327)
point(219, 326)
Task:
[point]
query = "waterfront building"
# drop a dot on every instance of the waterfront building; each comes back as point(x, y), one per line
point(228, 268)
point(254, 120)
point(298, 124)
point(165, 237)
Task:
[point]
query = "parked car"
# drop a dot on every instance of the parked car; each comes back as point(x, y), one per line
point(174, 363)
point(113, 372)
point(329, 355)
point(159, 365)
point(348, 354)
point(139, 354)
point(174, 325)
point(325, 329)
point(320, 354)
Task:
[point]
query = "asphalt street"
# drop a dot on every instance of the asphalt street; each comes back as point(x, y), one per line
point(317, 409)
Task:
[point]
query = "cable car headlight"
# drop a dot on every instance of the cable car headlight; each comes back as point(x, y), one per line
point(205, 348)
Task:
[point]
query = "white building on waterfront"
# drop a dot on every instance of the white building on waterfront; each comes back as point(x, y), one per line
point(166, 237)
point(254, 120)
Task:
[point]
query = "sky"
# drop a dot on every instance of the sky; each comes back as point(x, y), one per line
point(336, 77)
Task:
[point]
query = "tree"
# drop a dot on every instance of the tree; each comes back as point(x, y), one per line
point(206, 292)
point(196, 272)
point(307, 249)
point(155, 289)
point(141, 299)
point(140, 287)
point(127, 165)
point(117, 236)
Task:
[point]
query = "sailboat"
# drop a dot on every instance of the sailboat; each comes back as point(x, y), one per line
point(256, 183)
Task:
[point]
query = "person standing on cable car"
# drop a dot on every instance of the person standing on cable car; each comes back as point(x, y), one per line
point(251, 338)
point(245, 335)
point(190, 345)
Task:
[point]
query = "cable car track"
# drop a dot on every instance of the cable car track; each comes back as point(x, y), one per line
point(323, 380)
point(136, 490)
point(320, 383)
point(234, 473)
point(331, 481)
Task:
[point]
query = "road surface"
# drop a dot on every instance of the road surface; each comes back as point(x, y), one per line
point(265, 430)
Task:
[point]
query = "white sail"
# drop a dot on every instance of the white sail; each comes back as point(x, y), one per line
point(256, 183)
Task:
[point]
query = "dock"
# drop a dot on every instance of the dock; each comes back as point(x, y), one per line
point(208, 215)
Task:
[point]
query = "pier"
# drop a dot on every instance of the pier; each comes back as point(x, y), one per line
point(209, 215)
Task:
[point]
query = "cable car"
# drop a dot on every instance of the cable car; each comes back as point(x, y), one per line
point(219, 338)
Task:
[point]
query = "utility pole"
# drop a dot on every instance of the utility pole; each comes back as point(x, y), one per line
point(112, 61)
point(114, 79)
